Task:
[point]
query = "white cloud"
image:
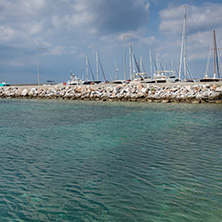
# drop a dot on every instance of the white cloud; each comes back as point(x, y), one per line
point(203, 18)
point(6, 34)
point(58, 50)
point(79, 17)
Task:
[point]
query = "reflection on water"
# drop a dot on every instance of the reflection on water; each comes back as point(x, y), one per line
point(94, 161)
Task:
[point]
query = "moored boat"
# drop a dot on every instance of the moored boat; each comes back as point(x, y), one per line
point(216, 65)
point(5, 84)
point(164, 76)
point(119, 81)
point(74, 80)
point(142, 78)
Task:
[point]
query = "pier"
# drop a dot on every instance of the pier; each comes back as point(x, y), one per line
point(161, 92)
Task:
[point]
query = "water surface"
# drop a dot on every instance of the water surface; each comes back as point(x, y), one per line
point(110, 161)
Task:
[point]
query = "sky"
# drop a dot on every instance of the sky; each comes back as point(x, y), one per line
point(64, 32)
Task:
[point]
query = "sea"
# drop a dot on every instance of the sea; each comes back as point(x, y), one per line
point(89, 161)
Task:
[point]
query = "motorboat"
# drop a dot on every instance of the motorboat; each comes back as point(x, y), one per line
point(142, 78)
point(119, 81)
point(4, 84)
point(164, 76)
point(74, 80)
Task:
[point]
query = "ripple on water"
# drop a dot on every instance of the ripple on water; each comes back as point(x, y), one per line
point(77, 161)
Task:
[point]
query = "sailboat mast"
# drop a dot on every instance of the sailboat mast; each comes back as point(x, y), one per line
point(116, 70)
point(214, 54)
point(133, 63)
point(87, 69)
point(157, 62)
point(185, 37)
point(141, 63)
point(99, 60)
point(208, 62)
point(219, 64)
point(130, 60)
point(151, 68)
point(183, 45)
point(97, 66)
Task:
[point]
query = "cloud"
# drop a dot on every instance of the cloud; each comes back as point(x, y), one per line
point(132, 17)
point(37, 21)
point(6, 33)
point(199, 19)
point(58, 50)
point(105, 16)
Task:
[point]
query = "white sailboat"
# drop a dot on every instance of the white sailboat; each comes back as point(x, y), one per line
point(161, 75)
point(141, 76)
point(183, 57)
point(116, 80)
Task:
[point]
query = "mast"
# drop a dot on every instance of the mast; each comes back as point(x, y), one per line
point(97, 66)
point(183, 45)
point(214, 55)
point(219, 63)
point(130, 60)
point(99, 60)
point(216, 63)
point(90, 68)
point(216, 59)
point(157, 62)
point(151, 68)
point(133, 65)
point(208, 62)
point(141, 63)
point(87, 69)
point(116, 70)
point(136, 63)
point(185, 38)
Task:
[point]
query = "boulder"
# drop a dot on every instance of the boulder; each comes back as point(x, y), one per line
point(213, 87)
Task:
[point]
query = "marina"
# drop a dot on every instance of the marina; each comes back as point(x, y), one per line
point(108, 113)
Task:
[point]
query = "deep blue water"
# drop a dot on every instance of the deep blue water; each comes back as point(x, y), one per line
point(110, 161)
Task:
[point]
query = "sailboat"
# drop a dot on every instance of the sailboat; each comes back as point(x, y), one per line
point(216, 65)
point(140, 76)
point(98, 62)
point(188, 77)
point(161, 75)
point(116, 80)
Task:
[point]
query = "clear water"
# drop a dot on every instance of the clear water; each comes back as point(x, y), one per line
point(101, 161)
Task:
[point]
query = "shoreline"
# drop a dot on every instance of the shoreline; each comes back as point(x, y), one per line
point(195, 92)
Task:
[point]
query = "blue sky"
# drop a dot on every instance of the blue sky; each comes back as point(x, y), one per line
point(74, 29)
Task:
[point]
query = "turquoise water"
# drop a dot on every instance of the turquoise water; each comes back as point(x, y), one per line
point(101, 161)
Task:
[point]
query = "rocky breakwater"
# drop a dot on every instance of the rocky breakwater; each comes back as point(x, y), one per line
point(126, 92)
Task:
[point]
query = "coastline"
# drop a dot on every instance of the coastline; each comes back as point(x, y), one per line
point(186, 92)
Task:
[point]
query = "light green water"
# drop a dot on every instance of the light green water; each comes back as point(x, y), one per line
point(94, 161)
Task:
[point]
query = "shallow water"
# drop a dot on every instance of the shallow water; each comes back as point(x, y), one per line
point(108, 161)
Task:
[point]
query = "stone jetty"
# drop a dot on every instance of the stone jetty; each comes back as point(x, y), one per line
point(179, 92)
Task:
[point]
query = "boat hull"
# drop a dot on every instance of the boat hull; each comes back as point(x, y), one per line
point(209, 80)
